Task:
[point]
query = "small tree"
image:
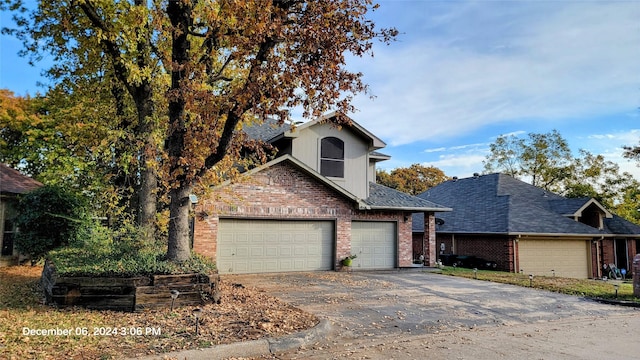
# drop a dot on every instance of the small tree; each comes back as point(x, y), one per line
point(544, 158)
point(413, 180)
point(49, 217)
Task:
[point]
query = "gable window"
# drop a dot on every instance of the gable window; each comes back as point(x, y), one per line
point(332, 157)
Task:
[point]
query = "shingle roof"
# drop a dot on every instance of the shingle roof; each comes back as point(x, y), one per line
point(13, 182)
point(567, 206)
point(620, 226)
point(382, 197)
point(266, 131)
point(498, 203)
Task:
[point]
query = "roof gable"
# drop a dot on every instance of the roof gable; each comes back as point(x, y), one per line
point(13, 182)
point(576, 206)
point(270, 130)
point(381, 198)
point(373, 140)
point(309, 171)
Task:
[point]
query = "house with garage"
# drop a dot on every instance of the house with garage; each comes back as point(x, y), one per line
point(315, 203)
point(12, 185)
point(525, 228)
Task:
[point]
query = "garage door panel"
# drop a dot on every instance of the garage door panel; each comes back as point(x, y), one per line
point(266, 266)
point(314, 250)
point(271, 251)
point(254, 246)
point(374, 243)
point(242, 266)
point(568, 258)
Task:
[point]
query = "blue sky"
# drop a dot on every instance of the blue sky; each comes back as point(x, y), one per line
point(464, 72)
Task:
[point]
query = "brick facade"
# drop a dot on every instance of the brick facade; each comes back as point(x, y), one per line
point(503, 250)
point(603, 252)
point(283, 192)
point(498, 248)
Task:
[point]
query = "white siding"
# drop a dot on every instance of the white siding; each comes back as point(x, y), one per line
point(306, 148)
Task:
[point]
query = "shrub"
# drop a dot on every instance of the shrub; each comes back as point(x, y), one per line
point(120, 252)
point(48, 218)
point(73, 261)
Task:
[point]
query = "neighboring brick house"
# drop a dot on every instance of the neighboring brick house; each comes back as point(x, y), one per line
point(525, 228)
point(12, 184)
point(311, 206)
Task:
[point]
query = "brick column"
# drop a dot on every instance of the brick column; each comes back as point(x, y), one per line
point(636, 275)
point(429, 239)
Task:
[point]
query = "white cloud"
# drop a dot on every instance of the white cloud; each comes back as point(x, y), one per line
point(440, 149)
point(610, 146)
point(601, 136)
point(546, 61)
point(513, 133)
point(469, 146)
point(460, 165)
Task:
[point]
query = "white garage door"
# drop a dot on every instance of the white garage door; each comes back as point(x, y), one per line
point(259, 246)
point(374, 243)
point(569, 258)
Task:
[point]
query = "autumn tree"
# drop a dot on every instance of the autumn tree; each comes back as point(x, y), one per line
point(505, 156)
point(55, 140)
point(545, 161)
point(194, 71)
point(629, 208)
point(593, 176)
point(20, 125)
point(544, 158)
point(631, 152)
point(413, 180)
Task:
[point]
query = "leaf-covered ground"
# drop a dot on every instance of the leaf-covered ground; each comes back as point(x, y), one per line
point(244, 314)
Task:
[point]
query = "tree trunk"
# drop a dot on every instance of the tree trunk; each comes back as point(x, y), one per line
point(148, 192)
point(147, 200)
point(179, 248)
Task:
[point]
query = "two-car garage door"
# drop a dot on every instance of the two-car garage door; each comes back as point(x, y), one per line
point(258, 246)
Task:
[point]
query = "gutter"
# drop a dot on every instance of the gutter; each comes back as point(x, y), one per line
point(420, 209)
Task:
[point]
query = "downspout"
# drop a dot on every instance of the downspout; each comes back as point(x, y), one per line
point(453, 244)
point(424, 246)
point(598, 266)
point(515, 254)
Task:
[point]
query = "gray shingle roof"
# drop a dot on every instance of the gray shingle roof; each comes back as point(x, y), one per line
point(498, 203)
point(620, 226)
point(382, 197)
point(567, 205)
point(266, 131)
point(379, 154)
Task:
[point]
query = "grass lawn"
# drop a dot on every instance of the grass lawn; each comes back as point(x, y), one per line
point(579, 287)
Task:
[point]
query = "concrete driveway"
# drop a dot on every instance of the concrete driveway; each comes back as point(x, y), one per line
point(409, 302)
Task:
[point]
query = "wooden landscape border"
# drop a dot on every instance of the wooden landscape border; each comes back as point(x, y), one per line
point(128, 293)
